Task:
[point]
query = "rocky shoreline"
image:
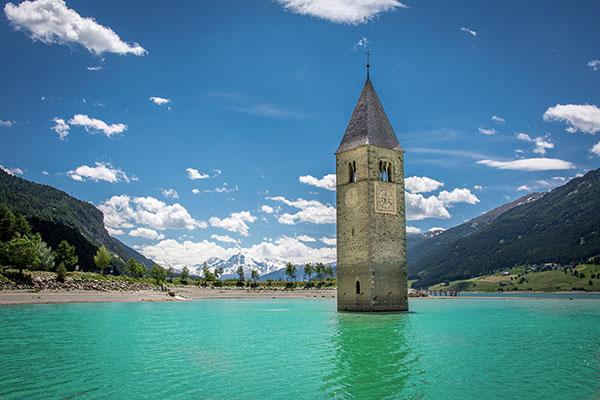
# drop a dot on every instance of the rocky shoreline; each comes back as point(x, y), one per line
point(49, 282)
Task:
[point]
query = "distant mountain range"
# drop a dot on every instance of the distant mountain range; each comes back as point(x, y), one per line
point(231, 265)
point(561, 226)
point(58, 216)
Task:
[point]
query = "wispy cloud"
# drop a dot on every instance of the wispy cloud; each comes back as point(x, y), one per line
point(242, 104)
point(362, 42)
point(469, 31)
point(529, 164)
point(6, 124)
point(497, 120)
point(487, 131)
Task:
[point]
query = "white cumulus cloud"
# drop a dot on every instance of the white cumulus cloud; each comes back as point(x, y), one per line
point(579, 117)
point(146, 233)
point(458, 196)
point(101, 171)
point(51, 21)
point(421, 184)
point(170, 193)
point(236, 222)
point(267, 209)
point(61, 127)
point(224, 239)
point(594, 64)
point(94, 125)
point(326, 182)
point(159, 101)
point(329, 241)
point(342, 11)
point(123, 211)
point(540, 143)
point(305, 238)
point(596, 149)
point(311, 211)
point(194, 174)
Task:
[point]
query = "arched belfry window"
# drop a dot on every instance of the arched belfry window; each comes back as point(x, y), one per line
point(357, 287)
point(385, 171)
point(352, 171)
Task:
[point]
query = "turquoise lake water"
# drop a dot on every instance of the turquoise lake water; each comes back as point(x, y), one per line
point(302, 349)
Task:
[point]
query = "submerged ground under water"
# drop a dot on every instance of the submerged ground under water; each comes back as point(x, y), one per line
point(302, 349)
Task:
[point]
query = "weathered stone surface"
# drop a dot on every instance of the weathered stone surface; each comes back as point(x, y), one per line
point(371, 236)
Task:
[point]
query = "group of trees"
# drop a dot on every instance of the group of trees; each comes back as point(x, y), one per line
point(22, 249)
point(319, 269)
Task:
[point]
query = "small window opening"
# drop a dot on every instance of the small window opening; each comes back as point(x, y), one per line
point(352, 171)
point(352, 232)
point(385, 171)
point(357, 287)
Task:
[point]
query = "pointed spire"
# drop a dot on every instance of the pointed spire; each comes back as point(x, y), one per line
point(369, 125)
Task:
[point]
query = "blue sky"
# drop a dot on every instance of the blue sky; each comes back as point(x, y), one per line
point(257, 94)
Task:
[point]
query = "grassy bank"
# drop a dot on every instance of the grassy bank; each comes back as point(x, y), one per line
point(582, 277)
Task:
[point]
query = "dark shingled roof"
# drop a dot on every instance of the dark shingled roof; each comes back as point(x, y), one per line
point(369, 124)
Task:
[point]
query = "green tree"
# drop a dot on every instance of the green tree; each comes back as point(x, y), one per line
point(22, 227)
point(171, 273)
point(135, 269)
point(45, 255)
point(320, 271)
point(290, 270)
point(65, 254)
point(329, 271)
point(61, 272)
point(218, 272)
point(102, 259)
point(308, 271)
point(185, 275)
point(208, 276)
point(240, 274)
point(254, 276)
point(7, 223)
point(22, 253)
point(158, 273)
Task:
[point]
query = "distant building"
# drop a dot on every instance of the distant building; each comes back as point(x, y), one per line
point(371, 224)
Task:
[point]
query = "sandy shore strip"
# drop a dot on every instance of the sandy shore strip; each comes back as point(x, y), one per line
point(13, 297)
point(10, 297)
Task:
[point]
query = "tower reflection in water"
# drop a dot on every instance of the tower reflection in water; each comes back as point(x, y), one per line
point(372, 358)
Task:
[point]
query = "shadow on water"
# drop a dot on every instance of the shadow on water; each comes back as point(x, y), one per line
point(372, 358)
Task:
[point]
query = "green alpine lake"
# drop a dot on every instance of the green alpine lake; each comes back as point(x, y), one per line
point(302, 349)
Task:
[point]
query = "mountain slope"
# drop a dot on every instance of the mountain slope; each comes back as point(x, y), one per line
point(562, 226)
point(57, 216)
point(419, 246)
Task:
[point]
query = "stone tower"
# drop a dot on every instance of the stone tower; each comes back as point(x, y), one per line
point(371, 224)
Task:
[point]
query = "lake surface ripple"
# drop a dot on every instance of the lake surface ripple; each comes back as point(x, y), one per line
point(302, 349)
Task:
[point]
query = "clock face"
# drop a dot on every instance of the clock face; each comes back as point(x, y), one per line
point(351, 197)
point(385, 198)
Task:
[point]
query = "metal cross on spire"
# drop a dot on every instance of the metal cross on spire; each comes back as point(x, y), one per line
point(368, 62)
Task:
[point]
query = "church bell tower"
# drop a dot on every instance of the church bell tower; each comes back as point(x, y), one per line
point(371, 222)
